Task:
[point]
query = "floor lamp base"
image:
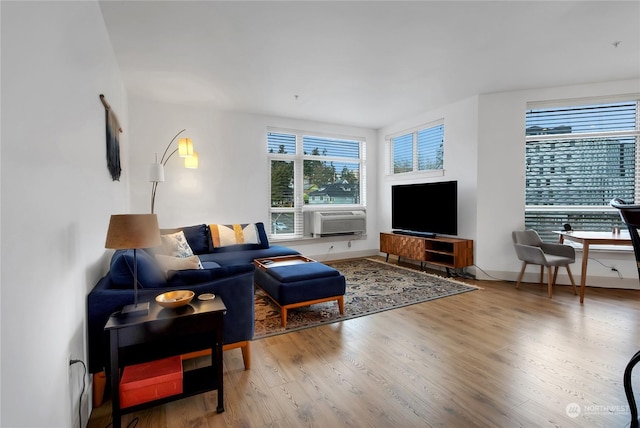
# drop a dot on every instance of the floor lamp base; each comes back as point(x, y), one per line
point(136, 309)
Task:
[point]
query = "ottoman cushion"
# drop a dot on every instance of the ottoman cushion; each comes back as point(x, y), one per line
point(304, 289)
point(298, 272)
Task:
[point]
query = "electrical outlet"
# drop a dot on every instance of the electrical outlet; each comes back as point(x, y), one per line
point(331, 248)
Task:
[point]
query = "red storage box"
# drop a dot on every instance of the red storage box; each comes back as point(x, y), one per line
point(150, 381)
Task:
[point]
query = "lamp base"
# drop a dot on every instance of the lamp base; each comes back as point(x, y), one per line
point(136, 309)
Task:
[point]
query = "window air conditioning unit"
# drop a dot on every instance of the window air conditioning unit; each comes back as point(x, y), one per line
point(327, 223)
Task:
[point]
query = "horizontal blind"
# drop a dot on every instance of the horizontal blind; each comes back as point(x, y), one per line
point(582, 119)
point(402, 153)
point(281, 143)
point(430, 148)
point(589, 171)
point(331, 147)
point(578, 158)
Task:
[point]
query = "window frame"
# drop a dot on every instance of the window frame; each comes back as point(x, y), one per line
point(299, 208)
point(415, 150)
point(594, 215)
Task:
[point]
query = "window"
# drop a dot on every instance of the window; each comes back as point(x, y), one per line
point(418, 150)
point(309, 170)
point(578, 158)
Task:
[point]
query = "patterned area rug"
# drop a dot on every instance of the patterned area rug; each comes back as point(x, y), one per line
point(372, 286)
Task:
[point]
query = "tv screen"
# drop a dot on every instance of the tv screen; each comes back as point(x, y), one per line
point(425, 208)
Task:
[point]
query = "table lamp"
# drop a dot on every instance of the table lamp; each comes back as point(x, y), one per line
point(133, 231)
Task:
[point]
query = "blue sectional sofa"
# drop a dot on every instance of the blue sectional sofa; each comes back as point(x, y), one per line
point(227, 271)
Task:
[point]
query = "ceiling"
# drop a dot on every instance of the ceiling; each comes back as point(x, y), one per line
point(365, 63)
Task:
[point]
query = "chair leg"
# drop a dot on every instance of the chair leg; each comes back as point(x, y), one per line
point(573, 283)
point(551, 276)
point(541, 274)
point(524, 266)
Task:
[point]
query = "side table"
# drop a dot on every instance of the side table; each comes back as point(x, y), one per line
point(163, 333)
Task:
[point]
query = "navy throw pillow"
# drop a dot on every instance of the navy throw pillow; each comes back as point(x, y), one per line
point(198, 238)
point(121, 272)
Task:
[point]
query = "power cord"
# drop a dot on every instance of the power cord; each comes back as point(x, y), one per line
point(613, 268)
point(84, 375)
point(490, 276)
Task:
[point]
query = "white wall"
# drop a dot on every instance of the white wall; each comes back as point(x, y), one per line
point(57, 196)
point(460, 163)
point(230, 185)
point(484, 151)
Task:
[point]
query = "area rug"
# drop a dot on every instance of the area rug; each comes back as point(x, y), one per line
point(372, 286)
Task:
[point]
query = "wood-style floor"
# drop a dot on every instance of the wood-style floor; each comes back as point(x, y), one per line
point(495, 357)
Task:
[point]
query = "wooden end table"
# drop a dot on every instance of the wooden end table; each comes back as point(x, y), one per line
point(163, 333)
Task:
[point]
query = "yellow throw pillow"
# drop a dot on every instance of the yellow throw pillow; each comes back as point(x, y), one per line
point(233, 234)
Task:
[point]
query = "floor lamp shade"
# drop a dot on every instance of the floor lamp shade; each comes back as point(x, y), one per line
point(133, 231)
point(156, 173)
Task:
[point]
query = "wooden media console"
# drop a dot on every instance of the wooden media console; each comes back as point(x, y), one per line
point(450, 253)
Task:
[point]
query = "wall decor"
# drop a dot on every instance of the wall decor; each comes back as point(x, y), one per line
point(113, 140)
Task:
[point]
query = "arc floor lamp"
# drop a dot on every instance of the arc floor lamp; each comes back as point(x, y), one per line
point(184, 150)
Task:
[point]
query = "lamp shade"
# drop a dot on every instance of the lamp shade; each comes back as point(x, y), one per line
point(191, 162)
point(156, 173)
point(185, 147)
point(130, 231)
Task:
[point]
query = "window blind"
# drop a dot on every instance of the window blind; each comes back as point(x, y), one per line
point(578, 158)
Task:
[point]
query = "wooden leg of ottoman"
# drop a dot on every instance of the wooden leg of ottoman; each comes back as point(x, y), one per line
point(283, 309)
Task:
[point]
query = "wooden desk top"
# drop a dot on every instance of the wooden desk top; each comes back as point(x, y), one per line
point(599, 238)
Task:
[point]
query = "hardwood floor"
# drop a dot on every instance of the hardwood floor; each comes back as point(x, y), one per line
point(495, 357)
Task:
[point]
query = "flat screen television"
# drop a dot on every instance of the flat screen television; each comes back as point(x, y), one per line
point(425, 209)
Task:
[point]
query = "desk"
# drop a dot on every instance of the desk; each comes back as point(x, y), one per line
point(163, 333)
point(593, 238)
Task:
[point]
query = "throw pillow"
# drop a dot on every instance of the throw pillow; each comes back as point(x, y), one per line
point(121, 271)
point(223, 235)
point(170, 263)
point(176, 245)
point(198, 238)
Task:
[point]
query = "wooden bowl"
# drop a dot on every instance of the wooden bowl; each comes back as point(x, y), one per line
point(175, 299)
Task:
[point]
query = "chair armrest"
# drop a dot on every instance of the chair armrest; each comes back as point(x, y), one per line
point(530, 254)
point(559, 250)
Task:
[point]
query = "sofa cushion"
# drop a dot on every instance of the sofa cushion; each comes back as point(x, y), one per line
point(227, 257)
point(176, 245)
point(197, 276)
point(198, 237)
point(250, 236)
point(121, 271)
point(302, 271)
